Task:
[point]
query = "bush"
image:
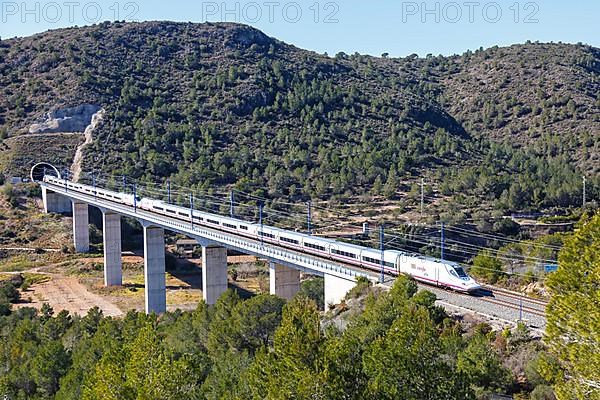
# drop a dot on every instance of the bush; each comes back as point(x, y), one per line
point(10, 195)
point(314, 289)
point(4, 308)
point(25, 286)
point(543, 392)
point(8, 292)
point(488, 267)
point(506, 226)
point(362, 285)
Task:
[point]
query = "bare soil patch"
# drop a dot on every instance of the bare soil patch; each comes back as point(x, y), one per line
point(67, 293)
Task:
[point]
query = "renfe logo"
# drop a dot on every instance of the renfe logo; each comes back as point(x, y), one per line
point(417, 268)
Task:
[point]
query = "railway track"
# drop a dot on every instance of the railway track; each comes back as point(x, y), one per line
point(496, 303)
point(512, 300)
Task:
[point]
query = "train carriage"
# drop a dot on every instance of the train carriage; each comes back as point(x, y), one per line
point(371, 258)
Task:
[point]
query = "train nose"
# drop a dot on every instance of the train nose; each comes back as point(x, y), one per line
point(473, 287)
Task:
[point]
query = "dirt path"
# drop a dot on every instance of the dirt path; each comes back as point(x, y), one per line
point(66, 293)
point(29, 249)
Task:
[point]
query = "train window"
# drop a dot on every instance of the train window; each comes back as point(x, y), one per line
point(288, 240)
point(461, 272)
point(183, 214)
point(264, 234)
point(244, 227)
point(212, 221)
point(378, 262)
point(343, 253)
point(158, 208)
point(171, 211)
point(229, 226)
point(314, 246)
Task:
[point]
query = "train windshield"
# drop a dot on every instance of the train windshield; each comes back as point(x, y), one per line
point(461, 272)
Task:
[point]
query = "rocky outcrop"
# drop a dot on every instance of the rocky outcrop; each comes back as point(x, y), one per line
point(67, 120)
point(76, 168)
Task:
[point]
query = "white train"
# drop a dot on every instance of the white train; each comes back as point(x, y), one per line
point(444, 274)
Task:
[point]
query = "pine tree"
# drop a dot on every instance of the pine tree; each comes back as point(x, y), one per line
point(573, 330)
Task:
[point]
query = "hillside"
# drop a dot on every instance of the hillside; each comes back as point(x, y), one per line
point(223, 105)
point(542, 95)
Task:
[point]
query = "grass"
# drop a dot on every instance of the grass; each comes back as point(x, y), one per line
point(36, 279)
point(20, 263)
point(183, 296)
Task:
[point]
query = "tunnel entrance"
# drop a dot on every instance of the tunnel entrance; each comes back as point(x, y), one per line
point(38, 171)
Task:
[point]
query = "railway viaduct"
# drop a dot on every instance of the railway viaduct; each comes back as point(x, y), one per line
point(285, 265)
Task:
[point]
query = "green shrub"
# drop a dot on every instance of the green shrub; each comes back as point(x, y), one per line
point(487, 266)
point(314, 289)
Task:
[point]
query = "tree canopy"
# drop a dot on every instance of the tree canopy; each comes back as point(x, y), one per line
point(573, 331)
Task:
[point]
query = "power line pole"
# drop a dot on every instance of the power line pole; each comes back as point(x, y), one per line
point(260, 217)
point(443, 241)
point(192, 209)
point(124, 184)
point(382, 249)
point(94, 184)
point(308, 217)
point(169, 190)
point(422, 195)
point(134, 197)
point(231, 202)
point(584, 182)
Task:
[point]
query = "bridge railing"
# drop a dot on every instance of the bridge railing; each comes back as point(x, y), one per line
point(289, 256)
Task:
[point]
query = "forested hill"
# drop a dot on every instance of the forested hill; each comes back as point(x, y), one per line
point(224, 104)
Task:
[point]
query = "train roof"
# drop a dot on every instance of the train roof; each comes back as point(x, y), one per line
point(351, 245)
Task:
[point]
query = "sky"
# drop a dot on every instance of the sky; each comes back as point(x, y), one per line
point(399, 28)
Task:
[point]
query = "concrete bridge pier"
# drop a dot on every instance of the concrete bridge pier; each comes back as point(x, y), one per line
point(214, 273)
point(284, 281)
point(81, 227)
point(55, 203)
point(336, 289)
point(154, 269)
point(113, 270)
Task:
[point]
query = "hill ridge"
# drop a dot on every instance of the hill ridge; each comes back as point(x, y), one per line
point(223, 104)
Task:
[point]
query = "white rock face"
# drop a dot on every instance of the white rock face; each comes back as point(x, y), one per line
point(68, 120)
point(76, 168)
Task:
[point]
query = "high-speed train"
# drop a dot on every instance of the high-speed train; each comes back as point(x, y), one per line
point(444, 274)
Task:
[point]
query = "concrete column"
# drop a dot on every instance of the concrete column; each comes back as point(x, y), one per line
point(81, 227)
point(113, 271)
point(55, 203)
point(214, 273)
point(285, 282)
point(336, 289)
point(154, 269)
